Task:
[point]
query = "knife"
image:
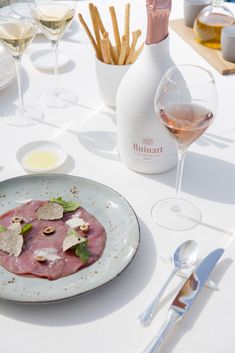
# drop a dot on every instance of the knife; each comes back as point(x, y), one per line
point(185, 298)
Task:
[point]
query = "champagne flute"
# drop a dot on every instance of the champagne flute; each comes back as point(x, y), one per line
point(185, 103)
point(55, 16)
point(18, 26)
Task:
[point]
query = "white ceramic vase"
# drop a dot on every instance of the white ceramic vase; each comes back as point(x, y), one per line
point(108, 79)
point(143, 143)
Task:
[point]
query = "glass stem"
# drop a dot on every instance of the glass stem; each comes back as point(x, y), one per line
point(56, 69)
point(180, 167)
point(21, 107)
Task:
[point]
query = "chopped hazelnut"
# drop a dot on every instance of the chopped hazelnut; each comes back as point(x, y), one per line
point(48, 230)
point(84, 227)
point(40, 258)
point(16, 219)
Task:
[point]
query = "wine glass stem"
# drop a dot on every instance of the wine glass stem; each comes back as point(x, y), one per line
point(56, 68)
point(180, 167)
point(18, 76)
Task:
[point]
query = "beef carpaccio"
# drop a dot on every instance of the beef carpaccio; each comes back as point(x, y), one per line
point(45, 251)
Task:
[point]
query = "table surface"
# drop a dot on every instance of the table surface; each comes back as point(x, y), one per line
point(105, 320)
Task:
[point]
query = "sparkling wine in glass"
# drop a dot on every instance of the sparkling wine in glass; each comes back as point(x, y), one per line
point(18, 26)
point(55, 16)
point(185, 103)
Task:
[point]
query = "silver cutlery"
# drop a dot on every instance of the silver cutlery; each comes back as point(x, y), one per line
point(184, 257)
point(185, 298)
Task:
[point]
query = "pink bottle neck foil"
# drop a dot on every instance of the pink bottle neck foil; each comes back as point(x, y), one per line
point(158, 12)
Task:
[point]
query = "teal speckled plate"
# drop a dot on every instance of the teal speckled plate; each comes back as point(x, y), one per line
point(109, 207)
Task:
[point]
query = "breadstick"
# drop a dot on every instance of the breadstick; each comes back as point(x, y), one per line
point(135, 37)
point(105, 48)
point(99, 21)
point(137, 53)
point(115, 29)
point(123, 53)
point(103, 31)
point(113, 53)
point(127, 25)
point(95, 27)
point(88, 32)
point(106, 36)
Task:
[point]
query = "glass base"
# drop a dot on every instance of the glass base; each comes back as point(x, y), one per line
point(60, 98)
point(27, 117)
point(176, 214)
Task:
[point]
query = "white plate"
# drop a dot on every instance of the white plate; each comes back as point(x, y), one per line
point(41, 146)
point(7, 69)
point(109, 207)
point(44, 59)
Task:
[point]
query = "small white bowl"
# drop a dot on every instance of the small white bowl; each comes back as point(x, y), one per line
point(38, 151)
point(109, 78)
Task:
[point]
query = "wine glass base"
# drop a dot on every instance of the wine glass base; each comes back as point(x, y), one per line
point(176, 214)
point(28, 117)
point(60, 98)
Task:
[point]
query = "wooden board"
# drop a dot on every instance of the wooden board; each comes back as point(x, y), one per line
point(213, 56)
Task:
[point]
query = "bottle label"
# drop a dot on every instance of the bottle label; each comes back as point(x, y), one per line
point(145, 149)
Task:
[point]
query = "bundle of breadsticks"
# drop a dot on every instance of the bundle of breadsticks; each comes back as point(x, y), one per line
point(124, 52)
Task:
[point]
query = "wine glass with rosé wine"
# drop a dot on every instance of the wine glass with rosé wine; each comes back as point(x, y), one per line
point(185, 103)
point(18, 26)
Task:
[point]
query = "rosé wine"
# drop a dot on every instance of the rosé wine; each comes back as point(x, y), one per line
point(186, 122)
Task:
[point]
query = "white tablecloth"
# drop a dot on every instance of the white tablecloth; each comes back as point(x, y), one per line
point(105, 320)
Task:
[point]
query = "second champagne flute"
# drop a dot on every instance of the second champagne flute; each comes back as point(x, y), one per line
point(54, 17)
point(185, 103)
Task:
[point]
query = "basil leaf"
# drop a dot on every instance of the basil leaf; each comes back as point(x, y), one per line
point(2, 229)
point(26, 227)
point(82, 251)
point(68, 206)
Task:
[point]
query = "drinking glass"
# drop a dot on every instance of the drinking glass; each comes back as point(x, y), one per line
point(55, 16)
point(185, 103)
point(18, 26)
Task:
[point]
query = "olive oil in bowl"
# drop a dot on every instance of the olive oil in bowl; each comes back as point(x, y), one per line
point(41, 156)
point(41, 160)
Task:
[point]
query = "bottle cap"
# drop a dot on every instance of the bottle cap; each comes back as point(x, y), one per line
point(228, 43)
point(192, 8)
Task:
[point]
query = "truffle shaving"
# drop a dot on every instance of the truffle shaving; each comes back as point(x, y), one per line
point(50, 211)
point(11, 241)
point(72, 240)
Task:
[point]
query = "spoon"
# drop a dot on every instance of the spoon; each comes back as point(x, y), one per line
point(184, 257)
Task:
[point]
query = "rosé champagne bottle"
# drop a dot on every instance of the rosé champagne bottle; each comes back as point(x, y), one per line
point(143, 144)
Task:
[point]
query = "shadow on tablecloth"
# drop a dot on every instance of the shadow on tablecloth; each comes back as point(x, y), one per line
point(10, 94)
point(205, 177)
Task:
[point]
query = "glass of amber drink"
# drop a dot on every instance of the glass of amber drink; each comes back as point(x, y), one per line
point(185, 103)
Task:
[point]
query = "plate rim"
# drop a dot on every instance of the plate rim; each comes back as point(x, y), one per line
point(54, 301)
